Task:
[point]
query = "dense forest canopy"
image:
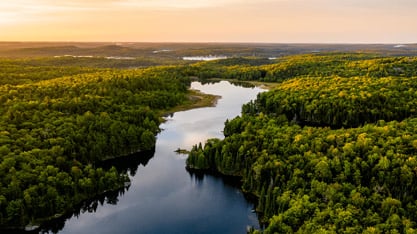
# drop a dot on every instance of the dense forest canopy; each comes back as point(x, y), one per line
point(58, 122)
point(311, 65)
point(331, 149)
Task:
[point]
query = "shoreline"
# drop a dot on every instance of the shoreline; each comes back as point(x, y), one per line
point(195, 99)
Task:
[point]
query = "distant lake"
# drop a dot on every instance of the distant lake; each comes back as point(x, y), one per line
point(163, 196)
point(204, 58)
point(91, 56)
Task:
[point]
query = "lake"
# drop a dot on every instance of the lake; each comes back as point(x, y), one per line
point(163, 196)
point(204, 58)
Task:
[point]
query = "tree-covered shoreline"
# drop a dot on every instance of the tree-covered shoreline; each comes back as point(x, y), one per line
point(357, 175)
point(58, 123)
point(331, 148)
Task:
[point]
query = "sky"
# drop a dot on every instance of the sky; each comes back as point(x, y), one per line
point(272, 21)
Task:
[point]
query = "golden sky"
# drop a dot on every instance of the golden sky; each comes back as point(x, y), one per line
point(298, 21)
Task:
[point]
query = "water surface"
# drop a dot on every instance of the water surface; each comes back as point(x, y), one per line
point(163, 196)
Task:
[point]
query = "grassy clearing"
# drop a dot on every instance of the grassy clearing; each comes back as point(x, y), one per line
point(196, 99)
point(264, 85)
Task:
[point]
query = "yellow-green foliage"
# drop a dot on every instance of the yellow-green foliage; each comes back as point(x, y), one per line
point(332, 149)
point(314, 65)
point(337, 102)
point(55, 126)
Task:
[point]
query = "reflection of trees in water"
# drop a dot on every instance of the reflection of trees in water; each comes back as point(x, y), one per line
point(90, 206)
point(229, 181)
point(242, 84)
point(234, 82)
point(208, 81)
point(128, 164)
point(198, 176)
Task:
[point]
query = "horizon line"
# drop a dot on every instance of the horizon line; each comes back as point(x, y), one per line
point(215, 42)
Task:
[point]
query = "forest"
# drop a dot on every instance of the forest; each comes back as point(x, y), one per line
point(59, 121)
point(331, 149)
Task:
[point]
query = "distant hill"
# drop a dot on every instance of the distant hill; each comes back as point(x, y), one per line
point(178, 50)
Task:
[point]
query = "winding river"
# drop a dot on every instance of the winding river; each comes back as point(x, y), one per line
point(163, 196)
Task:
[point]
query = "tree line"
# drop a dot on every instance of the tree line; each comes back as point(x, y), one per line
point(57, 125)
point(310, 65)
point(326, 153)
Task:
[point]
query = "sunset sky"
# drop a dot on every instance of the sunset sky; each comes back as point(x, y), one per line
point(317, 21)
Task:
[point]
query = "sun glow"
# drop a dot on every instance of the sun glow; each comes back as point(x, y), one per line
point(210, 20)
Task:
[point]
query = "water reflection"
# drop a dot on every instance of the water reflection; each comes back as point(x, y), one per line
point(163, 197)
point(233, 82)
point(128, 164)
point(198, 177)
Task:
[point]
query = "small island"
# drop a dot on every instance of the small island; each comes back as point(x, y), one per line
point(181, 151)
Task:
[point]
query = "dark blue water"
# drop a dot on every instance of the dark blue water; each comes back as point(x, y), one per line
point(163, 196)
